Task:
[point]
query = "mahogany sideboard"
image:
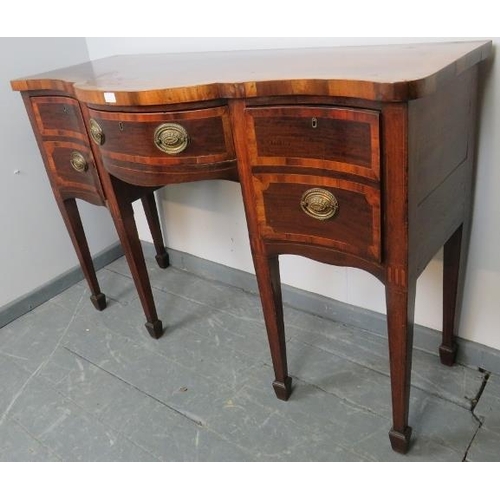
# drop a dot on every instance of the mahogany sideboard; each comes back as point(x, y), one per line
point(353, 156)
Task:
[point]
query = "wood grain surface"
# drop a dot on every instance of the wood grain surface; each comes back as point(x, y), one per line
point(384, 73)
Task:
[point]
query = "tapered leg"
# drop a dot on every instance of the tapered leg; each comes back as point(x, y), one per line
point(400, 313)
point(451, 278)
point(127, 232)
point(268, 278)
point(151, 211)
point(71, 216)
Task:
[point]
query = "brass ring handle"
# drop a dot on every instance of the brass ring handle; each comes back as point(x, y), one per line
point(319, 204)
point(78, 162)
point(96, 132)
point(171, 138)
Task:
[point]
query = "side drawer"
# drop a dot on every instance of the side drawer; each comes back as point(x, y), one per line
point(71, 166)
point(149, 147)
point(320, 211)
point(65, 146)
point(58, 117)
point(343, 140)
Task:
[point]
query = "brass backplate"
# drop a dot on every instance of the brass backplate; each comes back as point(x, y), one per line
point(171, 138)
point(78, 162)
point(96, 132)
point(319, 204)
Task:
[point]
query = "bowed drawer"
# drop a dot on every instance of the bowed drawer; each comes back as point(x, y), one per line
point(154, 148)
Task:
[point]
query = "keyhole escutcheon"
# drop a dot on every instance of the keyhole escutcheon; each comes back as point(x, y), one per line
point(314, 123)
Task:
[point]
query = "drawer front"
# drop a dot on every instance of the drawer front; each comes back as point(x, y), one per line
point(320, 211)
point(58, 117)
point(71, 167)
point(146, 148)
point(343, 140)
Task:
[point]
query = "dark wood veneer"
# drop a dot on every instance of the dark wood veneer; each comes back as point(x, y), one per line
point(58, 117)
point(65, 176)
point(130, 154)
point(207, 130)
point(355, 228)
point(338, 138)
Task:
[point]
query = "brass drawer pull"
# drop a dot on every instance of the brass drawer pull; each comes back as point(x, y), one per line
point(78, 162)
point(171, 138)
point(96, 132)
point(319, 204)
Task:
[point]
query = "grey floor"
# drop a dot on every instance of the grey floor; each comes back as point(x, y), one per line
point(82, 385)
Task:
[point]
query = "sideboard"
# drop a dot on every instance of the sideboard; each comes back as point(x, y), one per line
point(352, 156)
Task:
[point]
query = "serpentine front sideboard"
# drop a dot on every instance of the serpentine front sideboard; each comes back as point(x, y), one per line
point(358, 156)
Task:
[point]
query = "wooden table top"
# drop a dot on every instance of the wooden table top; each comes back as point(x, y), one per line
point(384, 73)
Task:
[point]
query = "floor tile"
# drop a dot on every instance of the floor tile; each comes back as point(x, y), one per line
point(201, 338)
point(29, 340)
point(13, 378)
point(172, 437)
point(73, 298)
point(16, 445)
point(187, 388)
point(161, 279)
point(107, 398)
point(442, 430)
point(458, 384)
point(211, 293)
point(312, 425)
point(488, 407)
point(485, 447)
point(86, 385)
point(68, 431)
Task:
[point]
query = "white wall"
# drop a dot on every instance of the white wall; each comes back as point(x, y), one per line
point(34, 244)
point(198, 220)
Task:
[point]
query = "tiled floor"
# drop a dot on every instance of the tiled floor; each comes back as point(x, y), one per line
point(82, 385)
